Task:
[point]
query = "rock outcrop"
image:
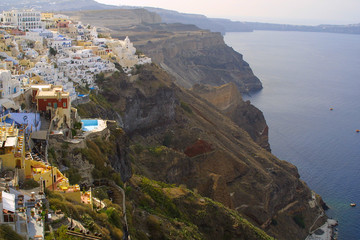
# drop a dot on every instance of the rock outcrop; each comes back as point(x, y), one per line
point(190, 54)
point(224, 163)
point(228, 99)
point(201, 57)
point(115, 19)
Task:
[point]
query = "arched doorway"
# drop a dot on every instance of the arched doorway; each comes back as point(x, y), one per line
point(18, 163)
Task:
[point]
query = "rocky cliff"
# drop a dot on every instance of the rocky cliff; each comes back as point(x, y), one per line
point(228, 99)
point(201, 57)
point(198, 146)
point(203, 22)
point(115, 19)
point(190, 54)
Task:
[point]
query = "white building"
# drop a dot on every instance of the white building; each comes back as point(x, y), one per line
point(99, 41)
point(23, 19)
point(9, 87)
point(93, 33)
point(124, 52)
point(45, 71)
point(20, 212)
point(59, 43)
point(51, 75)
point(81, 66)
point(23, 79)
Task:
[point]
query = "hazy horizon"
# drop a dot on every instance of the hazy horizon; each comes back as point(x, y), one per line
point(305, 12)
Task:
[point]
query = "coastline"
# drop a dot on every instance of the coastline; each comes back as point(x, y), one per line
point(325, 232)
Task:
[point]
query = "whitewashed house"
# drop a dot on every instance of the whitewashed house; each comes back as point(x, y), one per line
point(9, 87)
point(23, 19)
point(81, 66)
point(59, 43)
point(52, 75)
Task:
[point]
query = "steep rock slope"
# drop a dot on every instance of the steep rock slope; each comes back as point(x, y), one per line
point(201, 57)
point(178, 213)
point(228, 99)
point(190, 54)
point(224, 163)
point(212, 24)
point(115, 18)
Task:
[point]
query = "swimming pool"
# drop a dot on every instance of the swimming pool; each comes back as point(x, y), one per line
point(89, 124)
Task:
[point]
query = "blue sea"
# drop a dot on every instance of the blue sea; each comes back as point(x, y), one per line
point(304, 75)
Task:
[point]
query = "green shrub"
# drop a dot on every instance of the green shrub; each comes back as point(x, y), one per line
point(299, 220)
point(73, 132)
point(114, 217)
point(138, 148)
point(116, 177)
point(101, 193)
point(274, 222)
point(99, 77)
point(52, 153)
point(77, 125)
point(167, 139)
point(186, 107)
point(53, 195)
point(52, 51)
point(29, 183)
point(116, 233)
point(154, 226)
point(73, 175)
point(164, 204)
point(128, 190)
point(6, 233)
point(60, 234)
point(65, 146)
point(156, 151)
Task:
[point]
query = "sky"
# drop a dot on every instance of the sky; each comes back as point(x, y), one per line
point(308, 12)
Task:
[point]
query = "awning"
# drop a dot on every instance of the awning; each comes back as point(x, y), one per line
point(8, 201)
point(10, 142)
point(8, 105)
point(40, 135)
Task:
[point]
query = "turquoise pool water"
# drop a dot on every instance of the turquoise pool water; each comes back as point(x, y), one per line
point(89, 124)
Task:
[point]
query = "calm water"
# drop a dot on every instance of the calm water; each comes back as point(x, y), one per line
point(304, 74)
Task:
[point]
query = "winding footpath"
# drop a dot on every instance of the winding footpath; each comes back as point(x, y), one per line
point(126, 229)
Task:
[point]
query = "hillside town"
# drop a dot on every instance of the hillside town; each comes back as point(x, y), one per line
point(46, 62)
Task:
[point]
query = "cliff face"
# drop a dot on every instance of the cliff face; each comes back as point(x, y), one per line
point(178, 213)
point(146, 112)
point(189, 141)
point(228, 99)
point(212, 24)
point(190, 54)
point(201, 57)
point(115, 18)
point(91, 159)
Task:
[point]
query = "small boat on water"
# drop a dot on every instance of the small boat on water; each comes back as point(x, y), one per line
point(331, 109)
point(352, 204)
point(357, 130)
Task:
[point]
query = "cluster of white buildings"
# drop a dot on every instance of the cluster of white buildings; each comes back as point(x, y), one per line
point(10, 87)
point(22, 19)
point(45, 48)
point(81, 66)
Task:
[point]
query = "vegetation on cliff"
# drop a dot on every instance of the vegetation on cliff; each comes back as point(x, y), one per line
point(190, 54)
point(162, 121)
point(7, 233)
